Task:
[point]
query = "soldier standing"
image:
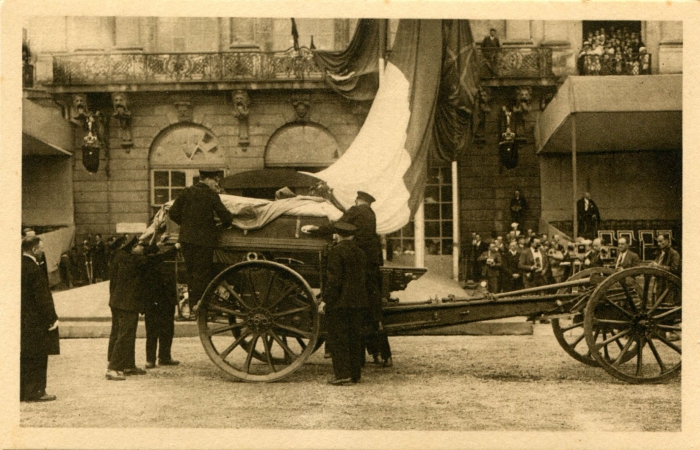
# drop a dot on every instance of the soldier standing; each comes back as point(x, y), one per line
point(345, 297)
point(195, 210)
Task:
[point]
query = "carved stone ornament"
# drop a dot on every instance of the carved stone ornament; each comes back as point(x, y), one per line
point(301, 102)
point(482, 111)
point(121, 113)
point(79, 110)
point(241, 110)
point(184, 111)
point(521, 107)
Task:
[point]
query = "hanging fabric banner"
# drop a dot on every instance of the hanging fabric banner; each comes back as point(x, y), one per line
point(353, 72)
point(388, 158)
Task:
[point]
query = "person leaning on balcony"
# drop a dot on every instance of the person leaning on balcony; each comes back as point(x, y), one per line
point(195, 210)
point(491, 41)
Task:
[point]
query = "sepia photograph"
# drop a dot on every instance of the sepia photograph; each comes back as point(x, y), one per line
point(347, 229)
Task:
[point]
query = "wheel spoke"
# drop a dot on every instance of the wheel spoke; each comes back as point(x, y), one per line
point(645, 290)
point(640, 348)
point(613, 338)
point(284, 345)
point(612, 321)
point(669, 327)
point(663, 339)
point(268, 354)
point(252, 287)
point(571, 327)
point(606, 353)
point(304, 334)
point(225, 310)
point(235, 344)
point(628, 296)
point(659, 300)
point(251, 350)
point(623, 310)
point(282, 296)
point(219, 330)
point(273, 278)
point(668, 313)
point(230, 289)
point(292, 311)
point(620, 357)
point(577, 340)
point(301, 343)
point(662, 366)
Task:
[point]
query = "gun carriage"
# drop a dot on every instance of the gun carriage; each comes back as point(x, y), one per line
point(258, 318)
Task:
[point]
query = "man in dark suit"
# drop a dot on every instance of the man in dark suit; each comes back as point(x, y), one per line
point(510, 273)
point(491, 267)
point(491, 41)
point(626, 258)
point(195, 210)
point(39, 332)
point(533, 265)
point(477, 248)
point(126, 301)
point(668, 258)
point(362, 217)
point(489, 48)
point(588, 216)
point(345, 301)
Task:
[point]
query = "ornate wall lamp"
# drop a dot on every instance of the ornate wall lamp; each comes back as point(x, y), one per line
point(94, 124)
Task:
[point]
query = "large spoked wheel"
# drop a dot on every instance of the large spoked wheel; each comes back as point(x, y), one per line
point(569, 330)
point(633, 323)
point(258, 321)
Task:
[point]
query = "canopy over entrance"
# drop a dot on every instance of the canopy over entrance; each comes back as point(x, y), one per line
point(44, 131)
point(613, 114)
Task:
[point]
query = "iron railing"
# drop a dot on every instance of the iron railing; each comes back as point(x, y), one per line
point(515, 62)
point(606, 64)
point(116, 68)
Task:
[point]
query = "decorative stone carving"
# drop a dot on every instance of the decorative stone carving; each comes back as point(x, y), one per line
point(120, 102)
point(482, 110)
point(184, 111)
point(79, 110)
point(241, 110)
point(521, 107)
point(301, 101)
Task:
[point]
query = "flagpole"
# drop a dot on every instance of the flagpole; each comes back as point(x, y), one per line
point(455, 222)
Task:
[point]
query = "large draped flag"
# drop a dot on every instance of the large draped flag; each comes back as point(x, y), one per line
point(388, 157)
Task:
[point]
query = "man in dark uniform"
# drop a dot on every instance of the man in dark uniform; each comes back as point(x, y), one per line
point(344, 302)
point(588, 216)
point(126, 302)
point(39, 332)
point(363, 218)
point(160, 300)
point(195, 210)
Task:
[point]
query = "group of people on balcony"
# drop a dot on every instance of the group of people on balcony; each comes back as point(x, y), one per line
point(615, 52)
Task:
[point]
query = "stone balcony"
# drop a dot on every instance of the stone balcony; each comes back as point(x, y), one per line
point(85, 72)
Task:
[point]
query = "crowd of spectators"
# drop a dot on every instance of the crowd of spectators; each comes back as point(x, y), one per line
point(617, 51)
point(86, 263)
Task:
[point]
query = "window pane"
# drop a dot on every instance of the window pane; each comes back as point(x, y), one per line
point(178, 178)
point(446, 194)
point(432, 211)
point(175, 193)
point(446, 176)
point(446, 211)
point(161, 196)
point(160, 178)
point(432, 229)
point(407, 231)
point(432, 194)
point(432, 246)
point(447, 228)
point(447, 246)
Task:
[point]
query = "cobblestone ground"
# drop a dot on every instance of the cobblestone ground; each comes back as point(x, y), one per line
point(518, 383)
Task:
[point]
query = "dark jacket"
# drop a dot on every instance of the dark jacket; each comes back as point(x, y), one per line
point(195, 210)
point(38, 312)
point(510, 262)
point(592, 210)
point(366, 237)
point(345, 277)
point(158, 291)
point(126, 282)
point(670, 261)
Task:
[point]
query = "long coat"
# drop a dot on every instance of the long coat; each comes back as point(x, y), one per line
point(157, 288)
point(345, 277)
point(195, 210)
point(126, 282)
point(38, 312)
point(364, 219)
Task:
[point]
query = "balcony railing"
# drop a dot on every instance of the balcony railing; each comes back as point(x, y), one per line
point(639, 64)
point(516, 62)
point(117, 68)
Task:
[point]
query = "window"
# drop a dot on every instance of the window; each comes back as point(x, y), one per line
point(177, 155)
point(438, 218)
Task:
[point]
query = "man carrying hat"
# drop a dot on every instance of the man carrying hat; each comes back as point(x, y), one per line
point(195, 210)
point(363, 218)
point(344, 303)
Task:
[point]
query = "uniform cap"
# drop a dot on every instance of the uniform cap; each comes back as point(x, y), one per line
point(344, 228)
point(366, 197)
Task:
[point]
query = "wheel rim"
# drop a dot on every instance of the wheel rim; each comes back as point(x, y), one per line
point(632, 313)
point(258, 321)
point(569, 331)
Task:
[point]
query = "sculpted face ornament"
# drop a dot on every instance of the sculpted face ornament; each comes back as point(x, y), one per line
point(79, 109)
point(241, 110)
point(120, 102)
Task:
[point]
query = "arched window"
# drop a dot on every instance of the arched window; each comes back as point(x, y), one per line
point(304, 146)
point(177, 155)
